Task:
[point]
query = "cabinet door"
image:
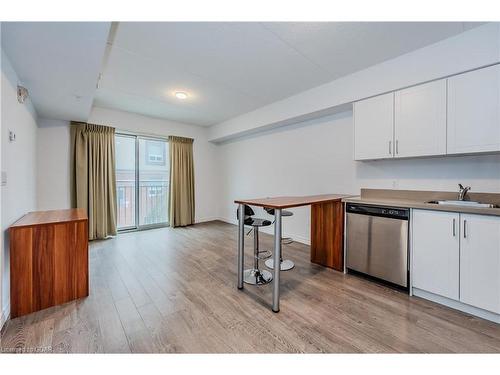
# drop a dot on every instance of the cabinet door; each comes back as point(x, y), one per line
point(435, 252)
point(474, 111)
point(420, 120)
point(374, 127)
point(480, 261)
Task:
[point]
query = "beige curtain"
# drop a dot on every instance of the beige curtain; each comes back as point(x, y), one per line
point(181, 199)
point(95, 180)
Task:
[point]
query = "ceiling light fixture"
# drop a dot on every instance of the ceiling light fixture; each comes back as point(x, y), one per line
point(181, 95)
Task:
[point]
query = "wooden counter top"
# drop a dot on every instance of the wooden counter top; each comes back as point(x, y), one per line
point(289, 202)
point(51, 217)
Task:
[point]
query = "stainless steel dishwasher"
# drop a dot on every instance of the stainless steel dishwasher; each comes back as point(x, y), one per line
point(377, 242)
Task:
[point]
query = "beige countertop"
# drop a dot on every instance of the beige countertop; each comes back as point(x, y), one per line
point(419, 199)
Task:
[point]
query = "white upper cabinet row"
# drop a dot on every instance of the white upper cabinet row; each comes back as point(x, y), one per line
point(457, 115)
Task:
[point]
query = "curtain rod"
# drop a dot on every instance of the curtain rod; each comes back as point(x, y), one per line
point(139, 134)
point(148, 135)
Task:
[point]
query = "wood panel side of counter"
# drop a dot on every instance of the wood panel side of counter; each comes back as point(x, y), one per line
point(71, 260)
point(48, 265)
point(327, 230)
point(21, 271)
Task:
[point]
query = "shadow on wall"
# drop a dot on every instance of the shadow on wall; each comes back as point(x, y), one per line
point(482, 172)
point(298, 125)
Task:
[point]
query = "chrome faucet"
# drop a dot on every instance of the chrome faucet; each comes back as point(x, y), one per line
point(462, 192)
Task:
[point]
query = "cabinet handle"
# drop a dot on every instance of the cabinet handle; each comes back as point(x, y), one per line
point(454, 233)
point(465, 228)
point(397, 146)
point(390, 147)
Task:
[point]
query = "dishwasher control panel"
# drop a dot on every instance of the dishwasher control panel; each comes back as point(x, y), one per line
point(391, 212)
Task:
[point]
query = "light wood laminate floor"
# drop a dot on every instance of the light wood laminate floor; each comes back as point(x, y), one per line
point(174, 290)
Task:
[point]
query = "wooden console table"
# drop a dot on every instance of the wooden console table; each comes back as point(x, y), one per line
point(48, 260)
point(327, 223)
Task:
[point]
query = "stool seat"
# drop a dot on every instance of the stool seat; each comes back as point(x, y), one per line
point(270, 211)
point(255, 222)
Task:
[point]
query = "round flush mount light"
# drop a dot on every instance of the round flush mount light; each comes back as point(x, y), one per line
point(181, 95)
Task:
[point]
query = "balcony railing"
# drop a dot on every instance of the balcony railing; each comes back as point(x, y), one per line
point(153, 203)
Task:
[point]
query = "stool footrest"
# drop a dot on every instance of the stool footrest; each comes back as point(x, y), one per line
point(257, 277)
point(264, 254)
point(285, 264)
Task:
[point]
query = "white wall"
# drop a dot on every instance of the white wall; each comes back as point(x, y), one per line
point(54, 164)
point(469, 50)
point(2, 317)
point(316, 157)
point(19, 161)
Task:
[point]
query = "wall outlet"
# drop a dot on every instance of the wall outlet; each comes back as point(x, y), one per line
point(12, 136)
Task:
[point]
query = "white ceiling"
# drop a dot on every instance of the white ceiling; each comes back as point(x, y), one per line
point(58, 62)
point(227, 68)
point(232, 68)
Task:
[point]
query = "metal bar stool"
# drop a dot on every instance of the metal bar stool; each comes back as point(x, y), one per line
point(285, 264)
point(256, 276)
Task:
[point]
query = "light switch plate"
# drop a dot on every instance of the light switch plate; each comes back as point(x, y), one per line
point(4, 178)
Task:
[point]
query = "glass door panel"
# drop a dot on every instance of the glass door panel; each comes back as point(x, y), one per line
point(153, 182)
point(125, 181)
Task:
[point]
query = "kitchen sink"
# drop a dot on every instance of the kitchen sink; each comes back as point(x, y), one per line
point(465, 203)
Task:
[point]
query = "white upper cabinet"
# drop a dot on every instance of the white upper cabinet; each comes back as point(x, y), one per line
point(374, 127)
point(480, 261)
point(420, 120)
point(474, 111)
point(435, 252)
point(457, 115)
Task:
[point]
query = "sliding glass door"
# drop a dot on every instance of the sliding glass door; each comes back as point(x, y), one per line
point(142, 181)
point(153, 182)
point(125, 181)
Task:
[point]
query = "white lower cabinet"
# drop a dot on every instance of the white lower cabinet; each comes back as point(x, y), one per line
point(436, 252)
point(457, 256)
point(480, 261)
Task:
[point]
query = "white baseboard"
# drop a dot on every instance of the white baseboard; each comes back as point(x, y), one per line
point(270, 230)
point(5, 315)
point(206, 219)
point(457, 305)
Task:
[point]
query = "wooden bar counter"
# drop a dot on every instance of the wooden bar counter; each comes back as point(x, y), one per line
point(327, 224)
point(48, 260)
